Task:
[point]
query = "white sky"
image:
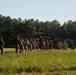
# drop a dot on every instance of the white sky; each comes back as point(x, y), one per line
point(43, 10)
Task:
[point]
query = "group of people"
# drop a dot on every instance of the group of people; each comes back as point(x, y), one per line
point(28, 45)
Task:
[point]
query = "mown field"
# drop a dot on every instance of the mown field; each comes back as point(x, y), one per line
point(48, 62)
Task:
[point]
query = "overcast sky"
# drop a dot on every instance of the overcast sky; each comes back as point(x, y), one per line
point(43, 10)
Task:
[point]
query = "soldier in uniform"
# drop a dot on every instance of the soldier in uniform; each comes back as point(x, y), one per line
point(65, 45)
point(25, 45)
point(34, 44)
point(17, 41)
point(72, 45)
point(29, 46)
point(50, 44)
point(40, 42)
point(37, 44)
point(59, 45)
point(47, 44)
point(22, 45)
point(1, 44)
point(43, 44)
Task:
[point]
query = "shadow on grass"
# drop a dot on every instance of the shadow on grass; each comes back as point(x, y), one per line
point(67, 69)
point(38, 70)
point(72, 68)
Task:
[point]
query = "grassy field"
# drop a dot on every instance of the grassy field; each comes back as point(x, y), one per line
point(48, 62)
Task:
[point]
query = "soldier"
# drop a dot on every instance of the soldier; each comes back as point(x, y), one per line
point(25, 45)
point(40, 42)
point(47, 44)
point(17, 41)
point(29, 46)
point(22, 43)
point(34, 44)
point(65, 45)
point(59, 45)
point(1, 44)
point(43, 44)
point(50, 44)
point(37, 44)
point(72, 45)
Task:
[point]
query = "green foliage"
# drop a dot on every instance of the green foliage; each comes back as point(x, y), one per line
point(9, 28)
point(62, 62)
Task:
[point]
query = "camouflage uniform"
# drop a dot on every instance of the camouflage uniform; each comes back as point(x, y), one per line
point(1, 44)
point(29, 45)
point(47, 44)
point(25, 45)
point(40, 42)
point(17, 42)
point(22, 43)
point(50, 44)
point(72, 45)
point(43, 44)
point(37, 44)
point(34, 44)
point(65, 45)
point(59, 45)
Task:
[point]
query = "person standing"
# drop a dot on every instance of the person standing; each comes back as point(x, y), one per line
point(17, 42)
point(2, 44)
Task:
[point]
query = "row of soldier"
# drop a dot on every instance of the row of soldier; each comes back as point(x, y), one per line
point(29, 45)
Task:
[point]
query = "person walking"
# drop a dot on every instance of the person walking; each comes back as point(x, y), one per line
point(2, 44)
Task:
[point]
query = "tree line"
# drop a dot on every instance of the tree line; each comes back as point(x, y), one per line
point(9, 28)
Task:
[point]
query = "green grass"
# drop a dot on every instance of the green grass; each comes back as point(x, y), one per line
point(48, 62)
